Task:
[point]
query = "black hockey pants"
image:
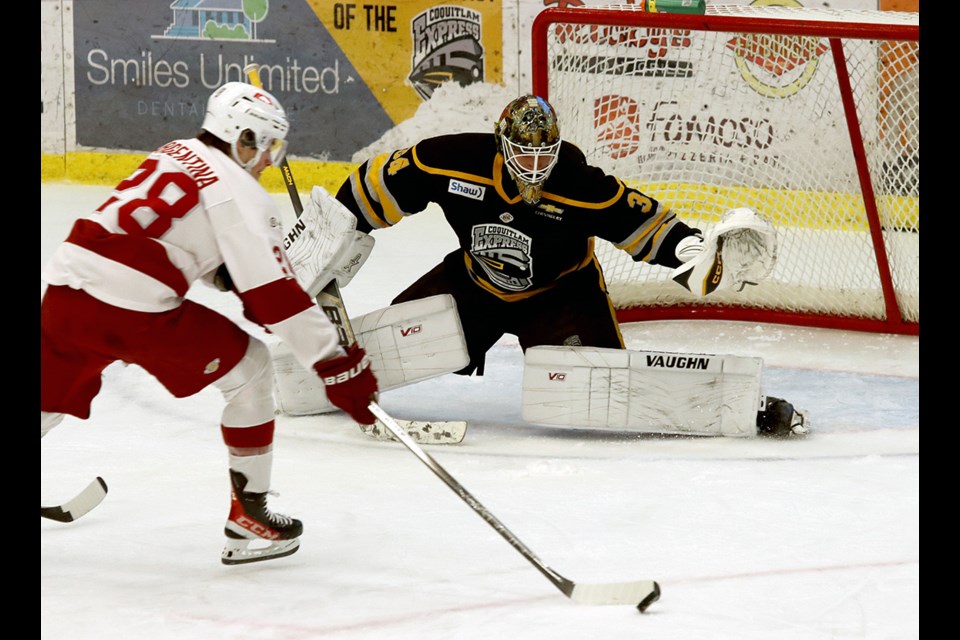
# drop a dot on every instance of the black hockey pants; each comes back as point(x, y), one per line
point(576, 312)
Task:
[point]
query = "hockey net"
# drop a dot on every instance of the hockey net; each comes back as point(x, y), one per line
point(808, 116)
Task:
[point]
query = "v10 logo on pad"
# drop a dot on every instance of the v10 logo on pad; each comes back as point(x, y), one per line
point(411, 331)
point(474, 191)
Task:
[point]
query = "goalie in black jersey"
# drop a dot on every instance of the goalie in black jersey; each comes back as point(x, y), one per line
point(526, 206)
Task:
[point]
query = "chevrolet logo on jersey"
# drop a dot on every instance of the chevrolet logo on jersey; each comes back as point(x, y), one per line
point(548, 211)
point(549, 208)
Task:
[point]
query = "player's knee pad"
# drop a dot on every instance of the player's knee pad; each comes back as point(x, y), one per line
point(248, 388)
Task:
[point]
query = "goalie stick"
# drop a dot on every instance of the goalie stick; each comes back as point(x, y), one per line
point(642, 592)
point(80, 505)
point(422, 431)
point(331, 302)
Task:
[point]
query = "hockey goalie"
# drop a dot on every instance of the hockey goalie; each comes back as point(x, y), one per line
point(564, 385)
point(526, 207)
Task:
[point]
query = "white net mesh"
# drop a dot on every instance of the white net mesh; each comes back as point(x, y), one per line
point(716, 117)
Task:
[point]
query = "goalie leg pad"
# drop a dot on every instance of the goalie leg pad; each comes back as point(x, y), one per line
point(645, 391)
point(406, 343)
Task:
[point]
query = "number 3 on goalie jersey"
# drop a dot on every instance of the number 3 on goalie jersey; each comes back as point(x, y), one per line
point(645, 204)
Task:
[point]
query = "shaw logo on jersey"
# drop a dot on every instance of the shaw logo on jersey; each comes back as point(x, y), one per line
point(466, 189)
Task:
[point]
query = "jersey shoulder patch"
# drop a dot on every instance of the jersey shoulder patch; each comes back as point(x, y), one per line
point(466, 154)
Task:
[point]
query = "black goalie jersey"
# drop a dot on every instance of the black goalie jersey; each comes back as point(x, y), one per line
point(510, 248)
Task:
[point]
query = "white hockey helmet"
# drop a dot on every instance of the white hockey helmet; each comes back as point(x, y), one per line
point(241, 114)
point(528, 136)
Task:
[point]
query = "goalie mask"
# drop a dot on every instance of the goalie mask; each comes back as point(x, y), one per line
point(528, 136)
point(243, 115)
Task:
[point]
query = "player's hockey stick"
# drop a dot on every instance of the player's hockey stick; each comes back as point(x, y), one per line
point(331, 302)
point(329, 298)
point(642, 592)
point(82, 503)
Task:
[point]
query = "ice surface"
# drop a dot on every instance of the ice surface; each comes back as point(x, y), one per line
point(749, 539)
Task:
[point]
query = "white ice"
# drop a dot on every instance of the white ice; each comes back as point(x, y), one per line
point(749, 539)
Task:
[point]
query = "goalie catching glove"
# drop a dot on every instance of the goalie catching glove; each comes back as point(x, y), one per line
point(740, 250)
point(324, 243)
point(350, 384)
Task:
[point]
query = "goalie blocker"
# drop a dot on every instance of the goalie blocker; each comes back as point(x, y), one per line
point(652, 392)
point(324, 244)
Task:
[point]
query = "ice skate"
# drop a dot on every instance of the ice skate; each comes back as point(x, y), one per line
point(253, 532)
point(780, 419)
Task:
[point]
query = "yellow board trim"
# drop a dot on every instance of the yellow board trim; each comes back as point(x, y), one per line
point(782, 207)
point(88, 167)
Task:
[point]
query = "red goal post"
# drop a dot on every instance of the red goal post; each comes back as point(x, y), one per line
point(809, 116)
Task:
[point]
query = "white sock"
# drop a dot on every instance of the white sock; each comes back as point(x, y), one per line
point(256, 468)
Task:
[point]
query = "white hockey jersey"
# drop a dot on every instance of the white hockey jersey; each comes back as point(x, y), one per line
point(187, 209)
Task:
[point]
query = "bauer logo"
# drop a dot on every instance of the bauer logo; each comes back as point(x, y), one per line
point(466, 189)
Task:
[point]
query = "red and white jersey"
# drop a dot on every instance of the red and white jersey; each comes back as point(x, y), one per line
point(185, 211)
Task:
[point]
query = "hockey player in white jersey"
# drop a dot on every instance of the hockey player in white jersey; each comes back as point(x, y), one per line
point(194, 210)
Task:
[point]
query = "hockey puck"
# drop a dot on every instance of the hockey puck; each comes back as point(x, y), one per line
point(650, 599)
